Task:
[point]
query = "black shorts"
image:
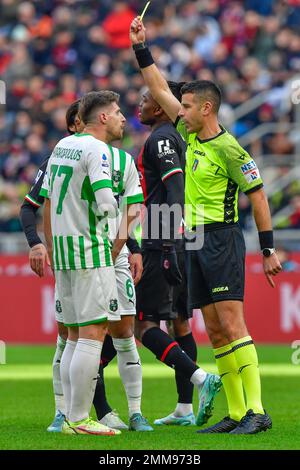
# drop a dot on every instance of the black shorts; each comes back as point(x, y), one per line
point(156, 300)
point(217, 271)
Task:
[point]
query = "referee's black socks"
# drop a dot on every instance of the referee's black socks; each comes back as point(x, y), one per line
point(168, 351)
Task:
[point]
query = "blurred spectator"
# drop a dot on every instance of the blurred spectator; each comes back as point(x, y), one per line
point(294, 218)
point(117, 24)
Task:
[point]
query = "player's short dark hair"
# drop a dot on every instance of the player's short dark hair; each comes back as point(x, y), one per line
point(204, 89)
point(71, 113)
point(175, 88)
point(94, 100)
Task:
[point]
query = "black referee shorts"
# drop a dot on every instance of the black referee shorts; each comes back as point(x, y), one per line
point(217, 271)
point(156, 300)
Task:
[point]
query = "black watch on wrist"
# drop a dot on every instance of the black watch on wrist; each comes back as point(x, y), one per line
point(268, 252)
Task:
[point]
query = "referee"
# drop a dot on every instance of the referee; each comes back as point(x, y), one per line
point(216, 168)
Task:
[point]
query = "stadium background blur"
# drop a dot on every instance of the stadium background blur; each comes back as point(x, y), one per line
point(52, 52)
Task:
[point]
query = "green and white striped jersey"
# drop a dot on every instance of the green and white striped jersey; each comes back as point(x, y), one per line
point(125, 185)
point(78, 167)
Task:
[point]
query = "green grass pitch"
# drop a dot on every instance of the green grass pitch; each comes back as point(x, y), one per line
point(27, 405)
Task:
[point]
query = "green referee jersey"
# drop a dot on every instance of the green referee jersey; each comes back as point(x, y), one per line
point(215, 170)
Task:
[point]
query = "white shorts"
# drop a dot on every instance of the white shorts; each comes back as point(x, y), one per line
point(58, 308)
point(88, 296)
point(125, 286)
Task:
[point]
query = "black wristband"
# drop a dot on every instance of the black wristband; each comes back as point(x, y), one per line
point(35, 241)
point(143, 56)
point(133, 246)
point(266, 239)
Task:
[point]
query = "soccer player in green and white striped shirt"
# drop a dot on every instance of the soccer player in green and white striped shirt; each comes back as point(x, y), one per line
point(81, 244)
point(78, 184)
point(128, 192)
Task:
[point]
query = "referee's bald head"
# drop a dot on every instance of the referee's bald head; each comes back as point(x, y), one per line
point(205, 90)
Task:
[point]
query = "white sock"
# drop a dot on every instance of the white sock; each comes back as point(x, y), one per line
point(83, 376)
point(57, 386)
point(65, 362)
point(198, 377)
point(183, 409)
point(130, 370)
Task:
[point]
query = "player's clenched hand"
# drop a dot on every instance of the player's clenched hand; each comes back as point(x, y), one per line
point(137, 31)
point(170, 267)
point(272, 267)
point(38, 256)
point(136, 267)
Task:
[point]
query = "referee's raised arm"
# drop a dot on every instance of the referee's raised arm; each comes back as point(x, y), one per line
point(154, 80)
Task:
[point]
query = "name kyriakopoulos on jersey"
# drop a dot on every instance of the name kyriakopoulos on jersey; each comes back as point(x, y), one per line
point(68, 154)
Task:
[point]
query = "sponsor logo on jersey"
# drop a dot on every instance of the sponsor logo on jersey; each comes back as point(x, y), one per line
point(220, 289)
point(248, 167)
point(250, 171)
point(164, 148)
point(198, 152)
point(113, 305)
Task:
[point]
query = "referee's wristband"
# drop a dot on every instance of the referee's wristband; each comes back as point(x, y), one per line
point(266, 239)
point(143, 55)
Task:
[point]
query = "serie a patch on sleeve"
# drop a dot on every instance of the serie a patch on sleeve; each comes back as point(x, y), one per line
point(250, 171)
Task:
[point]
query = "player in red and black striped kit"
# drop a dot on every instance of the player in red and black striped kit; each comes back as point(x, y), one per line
point(162, 293)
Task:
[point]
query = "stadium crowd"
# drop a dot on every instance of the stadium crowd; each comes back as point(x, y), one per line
point(52, 52)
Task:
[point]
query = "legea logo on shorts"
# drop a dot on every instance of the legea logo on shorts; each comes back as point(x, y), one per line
point(220, 289)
